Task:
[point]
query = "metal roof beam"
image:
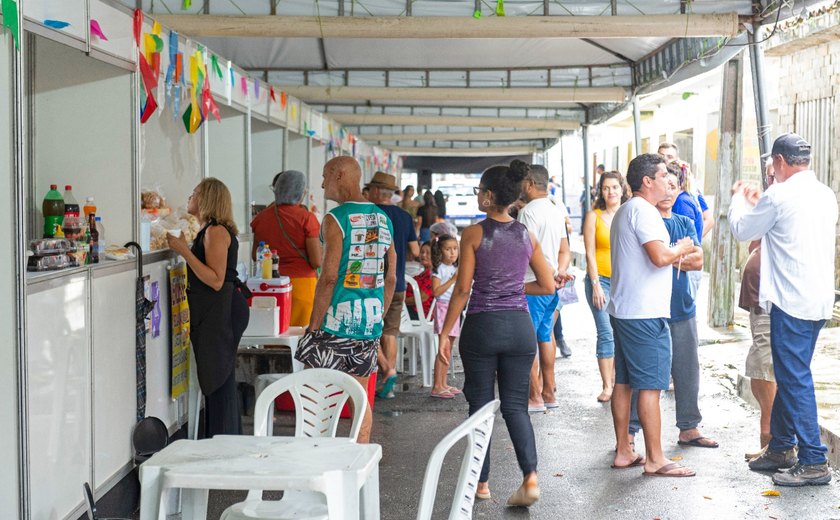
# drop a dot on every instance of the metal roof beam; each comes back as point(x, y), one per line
point(456, 27)
point(327, 94)
point(442, 120)
point(462, 136)
point(475, 152)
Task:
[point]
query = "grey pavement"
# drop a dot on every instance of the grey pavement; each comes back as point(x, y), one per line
point(575, 444)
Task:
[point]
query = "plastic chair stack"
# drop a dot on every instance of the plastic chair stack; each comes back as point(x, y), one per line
point(319, 395)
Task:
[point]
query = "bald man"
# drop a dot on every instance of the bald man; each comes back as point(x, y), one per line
point(355, 285)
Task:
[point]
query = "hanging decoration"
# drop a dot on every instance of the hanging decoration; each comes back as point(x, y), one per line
point(192, 115)
point(477, 14)
point(96, 30)
point(149, 62)
point(214, 62)
point(243, 84)
point(10, 20)
point(56, 24)
point(283, 99)
point(208, 103)
point(186, 5)
point(256, 89)
point(174, 74)
point(271, 93)
point(138, 25)
point(500, 7)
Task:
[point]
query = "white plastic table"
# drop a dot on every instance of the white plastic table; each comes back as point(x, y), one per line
point(289, 339)
point(339, 466)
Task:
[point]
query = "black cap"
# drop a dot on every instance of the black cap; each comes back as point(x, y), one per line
point(791, 145)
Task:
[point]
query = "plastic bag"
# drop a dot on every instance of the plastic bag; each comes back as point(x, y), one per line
point(568, 293)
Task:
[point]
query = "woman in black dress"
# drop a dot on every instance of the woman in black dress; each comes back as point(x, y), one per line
point(218, 309)
point(428, 215)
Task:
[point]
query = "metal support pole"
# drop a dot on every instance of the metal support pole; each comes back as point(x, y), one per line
point(724, 250)
point(20, 164)
point(637, 125)
point(761, 117)
point(562, 171)
point(587, 186)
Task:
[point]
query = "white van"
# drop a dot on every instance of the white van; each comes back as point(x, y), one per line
point(461, 205)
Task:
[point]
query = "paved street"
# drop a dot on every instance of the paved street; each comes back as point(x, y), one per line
point(575, 445)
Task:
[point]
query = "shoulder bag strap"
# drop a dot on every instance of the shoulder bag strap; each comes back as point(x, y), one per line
point(288, 239)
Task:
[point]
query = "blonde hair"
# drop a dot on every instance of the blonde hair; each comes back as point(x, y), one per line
point(214, 202)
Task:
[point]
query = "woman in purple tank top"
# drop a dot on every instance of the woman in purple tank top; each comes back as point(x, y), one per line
point(497, 339)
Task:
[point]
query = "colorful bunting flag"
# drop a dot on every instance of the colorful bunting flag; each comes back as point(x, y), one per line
point(148, 85)
point(138, 25)
point(96, 30)
point(10, 20)
point(214, 61)
point(500, 7)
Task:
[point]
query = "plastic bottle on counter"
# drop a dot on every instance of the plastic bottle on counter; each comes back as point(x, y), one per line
point(53, 209)
point(101, 230)
point(85, 245)
point(94, 240)
point(71, 205)
point(265, 263)
point(275, 264)
point(89, 207)
point(258, 254)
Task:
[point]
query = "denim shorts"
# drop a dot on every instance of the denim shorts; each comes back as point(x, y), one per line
point(642, 353)
point(541, 308)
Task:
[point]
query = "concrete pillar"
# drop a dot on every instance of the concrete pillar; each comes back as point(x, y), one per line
point(724, 250)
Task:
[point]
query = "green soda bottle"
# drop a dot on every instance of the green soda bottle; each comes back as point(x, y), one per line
point(53, 209)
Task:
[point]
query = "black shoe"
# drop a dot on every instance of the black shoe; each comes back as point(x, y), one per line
point(774, 460)
point(804, 475)
point(565, 351)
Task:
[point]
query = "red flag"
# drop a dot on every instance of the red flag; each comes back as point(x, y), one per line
point(149, 86)
point(271, 93)
point(208, 102)
point(138, 26)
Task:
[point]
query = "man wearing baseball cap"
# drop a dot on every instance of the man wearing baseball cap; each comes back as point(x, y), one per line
point(796, 220)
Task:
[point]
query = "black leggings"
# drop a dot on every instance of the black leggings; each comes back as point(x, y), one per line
point(500, 347)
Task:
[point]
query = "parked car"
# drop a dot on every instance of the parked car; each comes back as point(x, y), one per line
point(461, 205)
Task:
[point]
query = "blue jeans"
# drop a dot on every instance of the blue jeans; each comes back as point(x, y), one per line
point(605, 348)
point(794, 417)
point(499, 347)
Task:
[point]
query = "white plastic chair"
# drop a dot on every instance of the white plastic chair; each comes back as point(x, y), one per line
point(421, 333)
point(478, 429)
point(319, 395)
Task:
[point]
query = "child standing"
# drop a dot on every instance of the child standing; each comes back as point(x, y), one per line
point(444, 274)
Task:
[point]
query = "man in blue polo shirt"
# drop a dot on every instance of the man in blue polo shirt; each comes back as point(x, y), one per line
point(685, 366)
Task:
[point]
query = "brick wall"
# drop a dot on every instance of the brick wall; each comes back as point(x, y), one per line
point(813, 73)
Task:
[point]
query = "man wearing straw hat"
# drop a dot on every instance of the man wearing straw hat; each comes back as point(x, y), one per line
point(380, 189)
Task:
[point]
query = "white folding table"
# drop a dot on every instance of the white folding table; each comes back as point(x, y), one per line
point(338, 467)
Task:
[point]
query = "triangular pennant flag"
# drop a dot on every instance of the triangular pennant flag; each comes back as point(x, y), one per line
point(214, 62)
point(96, 30)
point(10, 20)
point(283, 99)
point(271, 93)
point(138, 25)
point(208, 102)
point(148, 85)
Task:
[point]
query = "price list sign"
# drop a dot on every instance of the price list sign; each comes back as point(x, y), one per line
point(180, 330)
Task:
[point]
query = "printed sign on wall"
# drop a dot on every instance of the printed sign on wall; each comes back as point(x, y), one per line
point(180, 330)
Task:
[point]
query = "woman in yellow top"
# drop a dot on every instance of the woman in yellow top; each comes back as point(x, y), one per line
point(612, 192)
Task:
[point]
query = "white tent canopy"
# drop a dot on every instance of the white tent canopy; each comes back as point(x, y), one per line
point(317, 49)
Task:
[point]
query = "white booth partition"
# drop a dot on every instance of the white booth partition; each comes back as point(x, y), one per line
point(317, 160)
point(82, 134)
point(266, 159)
point(9, 412)
point(227, 159)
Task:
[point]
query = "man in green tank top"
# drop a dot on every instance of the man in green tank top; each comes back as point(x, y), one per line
point(358, 275)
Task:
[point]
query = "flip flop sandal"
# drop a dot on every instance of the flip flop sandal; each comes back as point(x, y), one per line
point(454, 391)
point(552, 405)
point(387, 387)
point(483, 496)
point(536, 409)
point(443, 395)
point(640, 461)
point(697, 442)
point(665, 470)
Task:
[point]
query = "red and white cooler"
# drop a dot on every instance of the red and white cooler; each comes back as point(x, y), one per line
point(281, 290)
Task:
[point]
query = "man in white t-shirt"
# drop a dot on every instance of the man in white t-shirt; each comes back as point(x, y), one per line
point(547, 222)
point(640, 305)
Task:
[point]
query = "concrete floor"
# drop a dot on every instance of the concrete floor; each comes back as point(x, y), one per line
point(575, 444)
